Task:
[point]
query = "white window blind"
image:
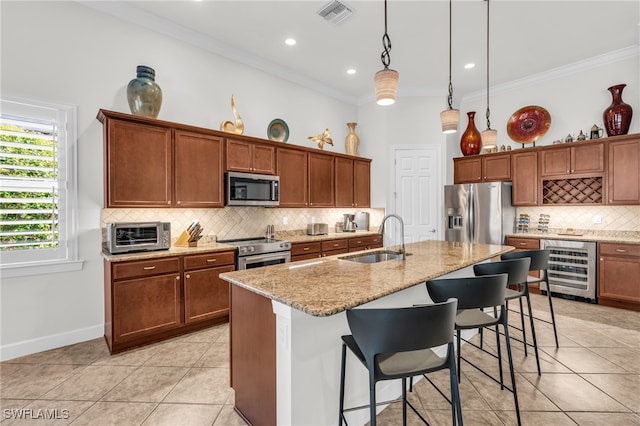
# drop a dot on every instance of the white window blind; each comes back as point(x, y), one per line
point(37, 191)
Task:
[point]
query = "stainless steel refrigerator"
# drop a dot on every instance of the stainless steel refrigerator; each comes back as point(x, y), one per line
point(479, 212)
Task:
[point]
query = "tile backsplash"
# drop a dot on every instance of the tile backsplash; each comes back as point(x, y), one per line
point(237, 222)
point(613, 218)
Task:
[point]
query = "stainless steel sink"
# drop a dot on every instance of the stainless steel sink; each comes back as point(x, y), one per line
point(374, 257)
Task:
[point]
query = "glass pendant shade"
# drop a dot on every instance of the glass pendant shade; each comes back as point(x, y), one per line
point(489, 138)
point(449, 119)
point(386, 84)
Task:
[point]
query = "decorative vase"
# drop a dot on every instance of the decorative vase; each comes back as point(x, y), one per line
point(471, 140)
point(617, 117)
point(143, 93)
point(352, 141)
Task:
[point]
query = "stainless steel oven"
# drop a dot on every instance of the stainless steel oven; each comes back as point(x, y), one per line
point(259, 252)
point(572, 269)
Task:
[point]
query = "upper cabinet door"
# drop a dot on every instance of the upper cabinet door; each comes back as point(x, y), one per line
point(361, 183)
point(467, 170)
point(321, 175)
point(555, 162)
point(293, 172)
point(587, 158)
point(250, 157)
point(624, 172)
point(524, 172)
point(138, 165)
point(198, 170)
point(344, 182)
point(496, 168)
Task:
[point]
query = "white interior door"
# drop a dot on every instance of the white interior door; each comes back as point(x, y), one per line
point(418, 191)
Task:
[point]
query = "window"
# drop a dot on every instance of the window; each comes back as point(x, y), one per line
point(37, 188)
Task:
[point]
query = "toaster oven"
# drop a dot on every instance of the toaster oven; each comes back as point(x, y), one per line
point(127, 237)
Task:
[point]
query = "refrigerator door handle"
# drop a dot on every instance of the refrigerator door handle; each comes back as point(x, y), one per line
point(470, 215)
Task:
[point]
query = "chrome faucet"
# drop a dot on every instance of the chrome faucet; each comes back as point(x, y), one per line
point(402, 251)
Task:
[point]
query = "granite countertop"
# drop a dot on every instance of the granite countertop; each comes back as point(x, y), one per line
point(626, 237)
point(303, 238)
point(327, 286)
point(173, 251)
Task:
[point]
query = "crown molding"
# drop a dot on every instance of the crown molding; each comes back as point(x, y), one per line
point(555, 73)
point(155, 23)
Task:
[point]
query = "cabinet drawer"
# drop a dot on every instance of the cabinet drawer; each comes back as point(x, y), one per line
point(363, 242)
point(326, 253)
point(620, 249)
point(524, 243)
point(335, 245)
point(305, 248)
point(145, 268)
point(209, 260)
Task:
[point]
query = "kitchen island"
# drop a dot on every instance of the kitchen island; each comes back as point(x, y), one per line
point(286, 323)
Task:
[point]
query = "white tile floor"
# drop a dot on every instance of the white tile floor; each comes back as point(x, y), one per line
point(592, 379)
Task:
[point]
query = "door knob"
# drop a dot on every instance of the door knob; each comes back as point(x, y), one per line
point(433, 231)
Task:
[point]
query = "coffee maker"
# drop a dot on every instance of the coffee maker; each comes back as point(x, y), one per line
point(349, 223)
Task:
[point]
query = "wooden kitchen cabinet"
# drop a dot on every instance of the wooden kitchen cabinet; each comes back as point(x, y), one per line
point(151, 300)
point(198, 170)
point(482, 168)
point(333, 247)
point(623, 174)
point(243, 156)
point(525, 244)
point(496, 167)
point(524, 174)
point(293, 171)
point(365, 243)
point(206, 296)
point(321, 180)
point(304, 251)
point(618, 272)
point(578, 159)
point(143, 298)
point(138, 165)
point(467, 170)
point(352, 182)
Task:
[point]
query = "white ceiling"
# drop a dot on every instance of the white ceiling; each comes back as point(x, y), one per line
point(527, 37)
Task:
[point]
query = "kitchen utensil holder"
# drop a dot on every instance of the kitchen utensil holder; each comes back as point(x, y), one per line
point(183, 240)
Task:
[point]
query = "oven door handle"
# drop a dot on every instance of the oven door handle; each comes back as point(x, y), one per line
point(248, 260)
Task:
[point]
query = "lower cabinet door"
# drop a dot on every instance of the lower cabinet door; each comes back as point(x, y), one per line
point(146, 306)
point(619, 278)
point(206, 295)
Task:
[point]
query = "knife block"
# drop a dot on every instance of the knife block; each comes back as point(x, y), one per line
point(183, 241)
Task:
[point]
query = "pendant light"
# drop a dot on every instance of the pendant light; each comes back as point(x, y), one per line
point(489, 136)
point(386, 80)
point(450, 116)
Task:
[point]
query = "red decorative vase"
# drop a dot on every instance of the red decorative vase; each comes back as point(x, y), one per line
point(617, 117)
point(471, 141)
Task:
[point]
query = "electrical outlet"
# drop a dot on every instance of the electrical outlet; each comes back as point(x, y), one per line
point(285, 220)
point(313, 219)
point(597, 219)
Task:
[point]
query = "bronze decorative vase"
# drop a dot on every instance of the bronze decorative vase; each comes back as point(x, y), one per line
point(352, 141)
point(143, 93)
point(617, 117)
point(471, 140)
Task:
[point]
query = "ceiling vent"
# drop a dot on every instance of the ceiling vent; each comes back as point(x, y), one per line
point(335, 12)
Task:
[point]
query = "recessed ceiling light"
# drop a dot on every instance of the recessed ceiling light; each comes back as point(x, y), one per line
point(290, 42)
point(351, 71)
point(469, 66)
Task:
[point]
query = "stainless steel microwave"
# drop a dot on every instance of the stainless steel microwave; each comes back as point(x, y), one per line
point(251, 189)
point(127, 237)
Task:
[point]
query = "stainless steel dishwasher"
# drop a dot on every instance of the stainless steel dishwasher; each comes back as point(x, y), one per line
point(572, 269)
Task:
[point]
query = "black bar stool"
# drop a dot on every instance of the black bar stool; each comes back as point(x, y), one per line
point(516, 270)
point(396, 344)
point(539, 263)
point(474, 295)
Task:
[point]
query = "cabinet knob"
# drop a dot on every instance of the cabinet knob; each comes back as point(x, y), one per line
point(149, 268)
point(621, 250)
point(177, 278)
point(178, 202)
point(169, 202)
point(211, 260)
point(305, 248)
point(187, 276)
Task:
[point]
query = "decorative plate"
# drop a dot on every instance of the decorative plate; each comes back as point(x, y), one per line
point(528, 124)
point(278, 130)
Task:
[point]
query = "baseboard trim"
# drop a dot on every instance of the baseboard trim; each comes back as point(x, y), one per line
point(45, 343)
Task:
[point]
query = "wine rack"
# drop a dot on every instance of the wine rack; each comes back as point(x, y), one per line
point(573, 191)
